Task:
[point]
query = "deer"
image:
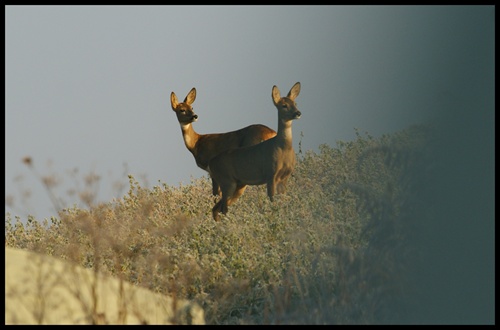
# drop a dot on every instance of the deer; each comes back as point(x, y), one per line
point(270, 162)
point(206, 146)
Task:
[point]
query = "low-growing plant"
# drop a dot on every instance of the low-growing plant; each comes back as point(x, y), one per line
point(333, 250)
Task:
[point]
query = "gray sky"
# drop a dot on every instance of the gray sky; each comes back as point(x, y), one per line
point(88, 87)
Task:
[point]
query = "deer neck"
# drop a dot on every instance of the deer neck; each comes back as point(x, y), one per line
point(190, 136)
point(284, 134)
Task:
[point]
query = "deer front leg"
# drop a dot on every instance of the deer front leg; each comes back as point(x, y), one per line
point(281, 186)
point(271, 189)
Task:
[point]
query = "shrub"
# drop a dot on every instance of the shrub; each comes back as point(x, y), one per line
point(332, 250)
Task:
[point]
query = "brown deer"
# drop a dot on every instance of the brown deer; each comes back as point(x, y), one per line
point(206, 146)
point(270, 162)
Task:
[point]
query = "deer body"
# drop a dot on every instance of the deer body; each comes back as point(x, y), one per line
point(206, 146)
point(270, 162)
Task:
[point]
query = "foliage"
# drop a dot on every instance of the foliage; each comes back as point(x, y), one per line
point(332, 250)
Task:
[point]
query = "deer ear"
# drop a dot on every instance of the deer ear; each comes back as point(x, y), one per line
point(191, 96)
point(294, 91)
point(276, 95)
point(173, 101)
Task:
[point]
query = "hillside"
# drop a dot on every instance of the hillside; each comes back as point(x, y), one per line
point(342, 246)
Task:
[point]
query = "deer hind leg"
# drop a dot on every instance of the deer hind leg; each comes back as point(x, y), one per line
point(222, 205)
point(216, 210)
point(237, 193)
point(215, 188)
point(228, 190)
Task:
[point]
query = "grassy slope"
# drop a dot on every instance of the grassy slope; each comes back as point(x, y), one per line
point(337, 248)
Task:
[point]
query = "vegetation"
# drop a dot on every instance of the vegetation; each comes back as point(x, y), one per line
point(337, 248)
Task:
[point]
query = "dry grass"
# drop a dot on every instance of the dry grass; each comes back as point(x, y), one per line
point(338, 248)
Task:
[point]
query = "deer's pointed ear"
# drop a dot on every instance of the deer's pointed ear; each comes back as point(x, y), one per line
point(276, 95)
point(294, 91)
point(191, 96)
point(173, 100)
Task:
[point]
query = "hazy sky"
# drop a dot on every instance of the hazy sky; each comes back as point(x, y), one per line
point(88, 87)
